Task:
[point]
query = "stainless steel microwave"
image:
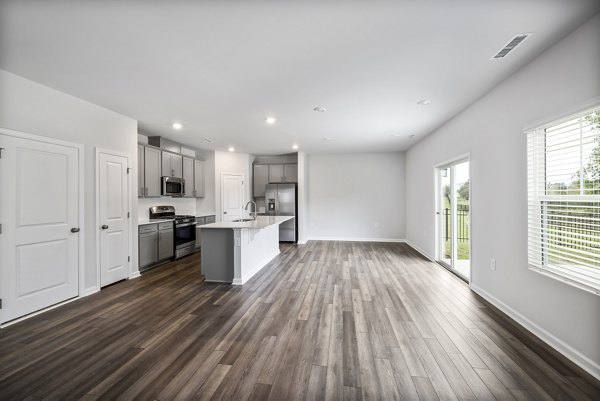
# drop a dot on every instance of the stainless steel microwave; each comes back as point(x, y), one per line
point(172, 186)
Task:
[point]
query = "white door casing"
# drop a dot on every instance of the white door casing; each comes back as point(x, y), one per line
point(113, 219)
point(232, 196)
point(40, 216)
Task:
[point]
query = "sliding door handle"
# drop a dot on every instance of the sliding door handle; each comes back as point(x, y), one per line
point(104, 227)
point(75, 229)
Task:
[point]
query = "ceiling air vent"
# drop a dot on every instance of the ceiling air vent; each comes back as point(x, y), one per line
point(510, 46)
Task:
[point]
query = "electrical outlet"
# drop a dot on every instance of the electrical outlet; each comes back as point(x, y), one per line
point(237, 241)
point(493, 264)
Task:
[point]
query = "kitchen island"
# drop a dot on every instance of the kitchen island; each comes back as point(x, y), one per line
point(233, 252)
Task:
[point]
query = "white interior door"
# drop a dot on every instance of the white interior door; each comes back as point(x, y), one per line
point(113, 222)
point(39, 213)
point(232, 195)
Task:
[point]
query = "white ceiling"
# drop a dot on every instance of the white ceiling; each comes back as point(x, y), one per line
point(220, 68)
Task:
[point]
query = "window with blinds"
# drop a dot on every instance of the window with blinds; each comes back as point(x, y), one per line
point(563, 160)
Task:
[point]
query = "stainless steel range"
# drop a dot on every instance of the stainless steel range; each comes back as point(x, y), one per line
point(184, 229)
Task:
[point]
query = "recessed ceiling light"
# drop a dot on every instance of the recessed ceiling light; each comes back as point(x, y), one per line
point(294, 146)
point(327, 139)
point(231, 149)
point(177, 126)
point(320, 109)
point(208, 140)
point(270, 120)
point(424, 102)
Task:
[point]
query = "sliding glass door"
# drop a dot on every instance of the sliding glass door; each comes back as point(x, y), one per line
point(453, 218)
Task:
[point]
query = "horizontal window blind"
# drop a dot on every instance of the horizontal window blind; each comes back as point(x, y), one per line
point(563, 163)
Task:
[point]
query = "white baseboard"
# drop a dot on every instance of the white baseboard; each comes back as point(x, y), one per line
point(418, 249)
point(86, 292)
point(89, 291)
point(262, 264)
point(133, 275)
point(563, 348)
point(356, 239)
point(302, 242)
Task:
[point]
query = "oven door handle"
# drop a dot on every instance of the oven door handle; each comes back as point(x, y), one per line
point(184, 225)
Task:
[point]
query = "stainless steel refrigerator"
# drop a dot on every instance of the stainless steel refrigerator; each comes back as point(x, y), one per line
point(281, 200)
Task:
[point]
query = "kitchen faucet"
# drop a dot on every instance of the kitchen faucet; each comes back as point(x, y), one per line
point(246, 208)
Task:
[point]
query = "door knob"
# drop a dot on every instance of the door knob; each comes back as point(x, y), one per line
point(75, 230)
point(104, 227)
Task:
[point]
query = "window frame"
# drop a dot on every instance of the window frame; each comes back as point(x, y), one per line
point(582, 280)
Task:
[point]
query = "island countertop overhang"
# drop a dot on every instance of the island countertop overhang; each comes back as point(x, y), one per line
point(260, 223)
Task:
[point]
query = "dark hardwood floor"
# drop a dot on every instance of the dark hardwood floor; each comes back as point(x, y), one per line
point(325, 321)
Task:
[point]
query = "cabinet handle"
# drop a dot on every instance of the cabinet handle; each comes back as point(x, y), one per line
point(104, 227)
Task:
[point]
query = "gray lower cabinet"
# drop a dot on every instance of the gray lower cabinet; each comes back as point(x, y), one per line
point(156, 243)
point(166, 246)
point(148, 245)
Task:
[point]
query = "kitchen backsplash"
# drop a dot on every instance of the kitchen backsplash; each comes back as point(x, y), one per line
point(182, 205)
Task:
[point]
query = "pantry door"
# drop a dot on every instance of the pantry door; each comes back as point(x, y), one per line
point(40, 218)
point(113, 216)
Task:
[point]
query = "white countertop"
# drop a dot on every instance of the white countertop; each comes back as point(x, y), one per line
point(258, 224)
point(148, 221)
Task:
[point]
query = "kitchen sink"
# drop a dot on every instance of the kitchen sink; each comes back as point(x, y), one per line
point(241, 220)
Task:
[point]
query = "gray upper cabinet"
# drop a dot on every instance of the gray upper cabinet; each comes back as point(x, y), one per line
point(150, 169)
point(276, 173)
point(290, 172)
point(279, 173)
point(141, 187)
point(177, 164)
point(172, 165)
point(188, 176)
point(261, 179)
point(199, 178)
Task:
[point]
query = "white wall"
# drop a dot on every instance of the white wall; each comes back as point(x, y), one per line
point(302, 198)
point(492, 131)
point(29, 107)
point(232, 162)
point(356, 196)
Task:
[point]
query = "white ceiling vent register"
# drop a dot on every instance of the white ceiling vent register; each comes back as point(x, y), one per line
point(510, 46)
